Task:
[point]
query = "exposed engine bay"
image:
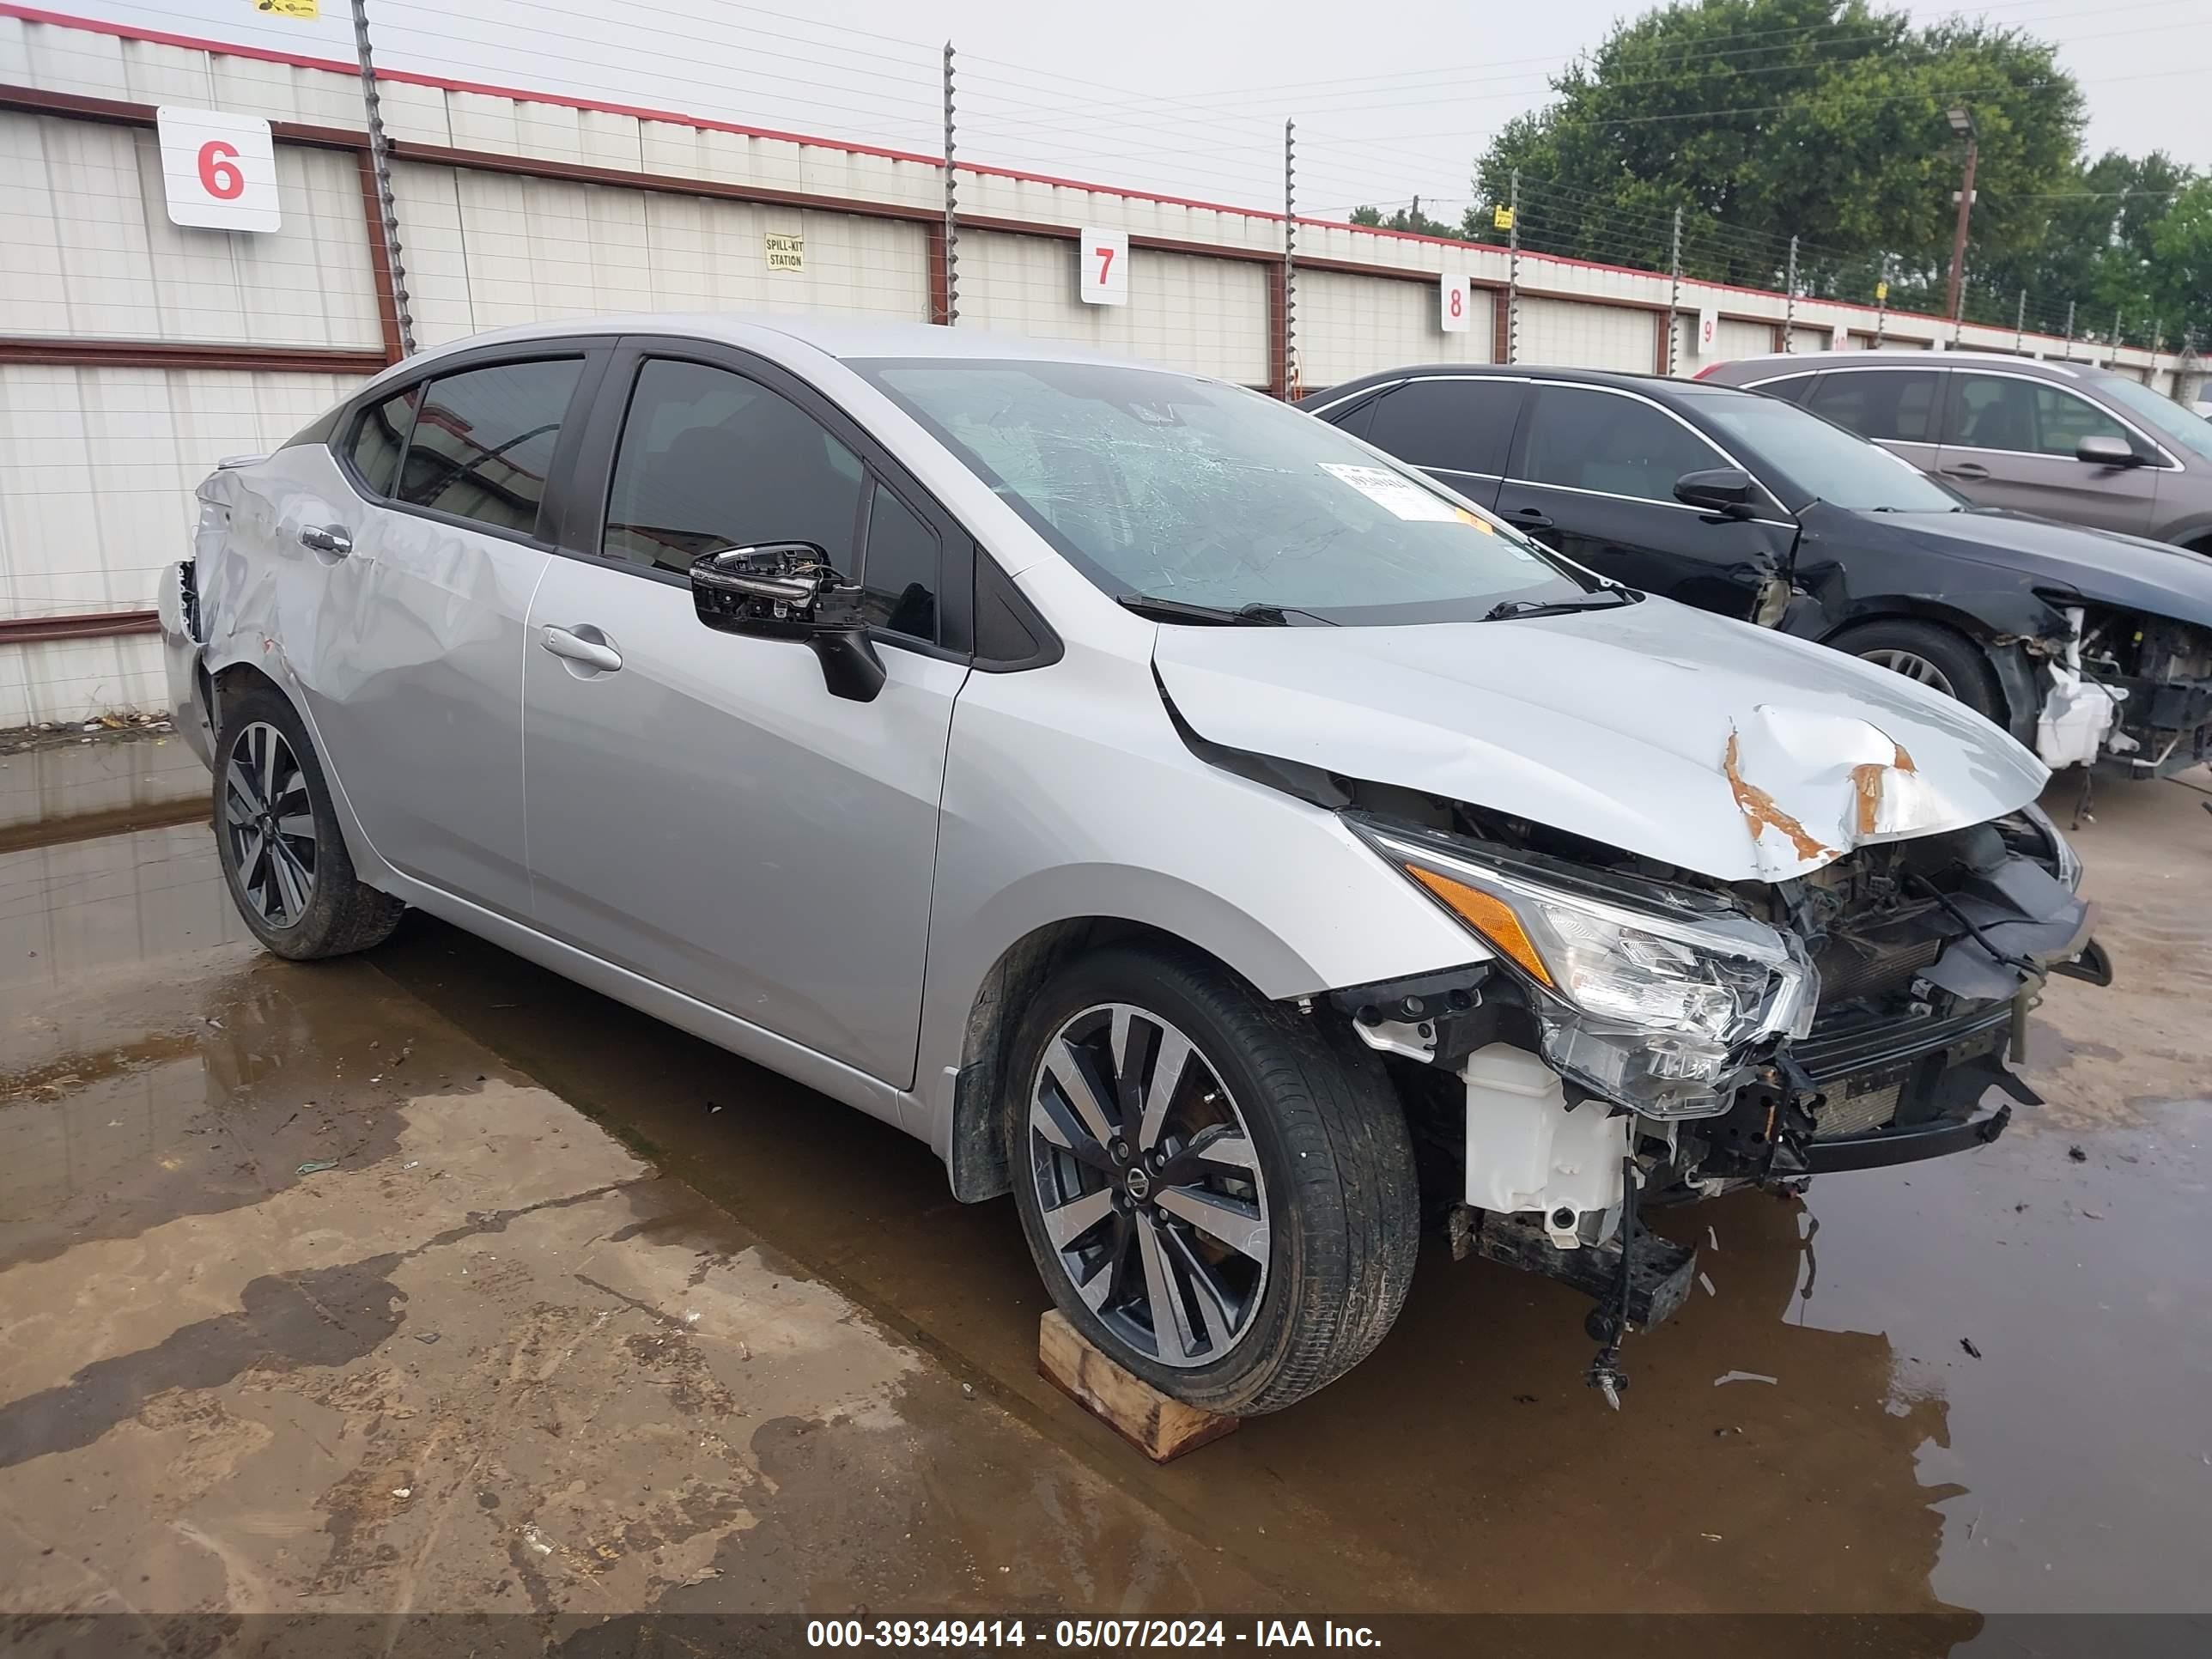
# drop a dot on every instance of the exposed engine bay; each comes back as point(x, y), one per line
point(1549, 1106)
point(2129, 693)
point(1721, 935)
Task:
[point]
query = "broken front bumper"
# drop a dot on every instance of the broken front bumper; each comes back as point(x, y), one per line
point(1879, 1148)
point(2171, 724)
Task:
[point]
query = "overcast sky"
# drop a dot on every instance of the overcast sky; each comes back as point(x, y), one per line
point(1391, 97)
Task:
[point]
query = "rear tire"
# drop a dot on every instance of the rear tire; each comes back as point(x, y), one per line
point(283, 857)
point(1268, 1193)
point(1938, 658)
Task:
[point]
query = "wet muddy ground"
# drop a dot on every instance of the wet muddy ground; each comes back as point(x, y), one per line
point(585, 1314)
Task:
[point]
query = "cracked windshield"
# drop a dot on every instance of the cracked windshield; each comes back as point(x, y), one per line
point(1170, 488)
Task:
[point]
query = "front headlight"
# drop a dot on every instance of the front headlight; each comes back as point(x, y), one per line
point(1644, 993)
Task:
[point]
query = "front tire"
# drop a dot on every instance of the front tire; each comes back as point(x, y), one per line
point(278, 837)
point(1933, 656)
point(1220, 1199)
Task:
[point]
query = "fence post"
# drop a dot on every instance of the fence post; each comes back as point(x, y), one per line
point(951, 206)
point(2069, 331)
point(1513, 269)
point(1881, 305)
point(1675, 294)
point(1290, 260)
point(2112, 354)
point(2019, 324)
point(379, 161)
point(1789, 300)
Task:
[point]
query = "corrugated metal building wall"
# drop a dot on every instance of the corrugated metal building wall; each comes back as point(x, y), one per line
point(133, 354)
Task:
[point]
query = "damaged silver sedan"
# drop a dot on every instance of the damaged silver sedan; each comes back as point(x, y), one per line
point(1225, 839)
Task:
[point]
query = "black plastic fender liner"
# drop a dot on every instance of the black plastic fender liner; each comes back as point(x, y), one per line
point(2093, 964)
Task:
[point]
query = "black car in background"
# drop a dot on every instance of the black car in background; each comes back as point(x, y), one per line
point(2080, 642)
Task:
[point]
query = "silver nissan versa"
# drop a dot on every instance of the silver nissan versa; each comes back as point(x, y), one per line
point(1168, 808)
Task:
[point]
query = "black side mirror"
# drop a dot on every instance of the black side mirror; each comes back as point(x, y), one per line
point(2102, 450)
point(1726, 490)
point(786, 591)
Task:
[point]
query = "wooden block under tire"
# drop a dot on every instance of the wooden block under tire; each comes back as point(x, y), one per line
point(1161, 1428)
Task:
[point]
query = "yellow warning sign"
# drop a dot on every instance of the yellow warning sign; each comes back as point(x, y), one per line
point(786, 252)
point(1502, 217)
point(1881, 291)
point(309, 10)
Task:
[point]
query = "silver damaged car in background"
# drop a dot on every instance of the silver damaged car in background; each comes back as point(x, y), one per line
point(1191, 820)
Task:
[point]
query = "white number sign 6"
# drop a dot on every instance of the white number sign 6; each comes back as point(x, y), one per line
point(218, 170)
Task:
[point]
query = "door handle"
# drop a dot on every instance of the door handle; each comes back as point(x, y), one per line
point(1530, 518)
point(327, 538)
point(575, 647)
point(1969, 471)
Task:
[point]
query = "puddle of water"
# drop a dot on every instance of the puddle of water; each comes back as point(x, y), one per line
point(71, 910)
point(73, 788)
point(1464, 1466)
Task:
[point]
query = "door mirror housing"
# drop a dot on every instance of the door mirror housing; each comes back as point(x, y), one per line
point(1727, 491)
point(2101, 450)
point(787, 590)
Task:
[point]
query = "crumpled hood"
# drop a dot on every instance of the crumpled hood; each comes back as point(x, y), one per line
point(2100, 565)
point(1724, 749)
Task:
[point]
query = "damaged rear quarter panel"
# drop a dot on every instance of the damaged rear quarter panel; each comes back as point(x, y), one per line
point(403, 658)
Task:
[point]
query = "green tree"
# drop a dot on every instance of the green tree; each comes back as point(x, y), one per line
point(2180, 272)
point(1765, 119)
point(1406, 218)
point(2099, 248)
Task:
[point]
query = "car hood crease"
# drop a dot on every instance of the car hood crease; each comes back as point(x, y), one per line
point(1718, 747)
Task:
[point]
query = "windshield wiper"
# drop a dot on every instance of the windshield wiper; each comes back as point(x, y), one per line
point(1256, 614)
point(1604, 600)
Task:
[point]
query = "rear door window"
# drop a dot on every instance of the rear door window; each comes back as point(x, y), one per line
point(1617, 446)
point(1451, 425)
point(483, 440)
point(1890, 405)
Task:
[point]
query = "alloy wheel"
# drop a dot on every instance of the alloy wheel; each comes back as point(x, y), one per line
point(1913, 667)
point(271, 825)
point(1149, 1185)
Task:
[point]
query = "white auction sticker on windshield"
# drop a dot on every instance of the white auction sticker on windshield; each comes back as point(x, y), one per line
point(1394, 493)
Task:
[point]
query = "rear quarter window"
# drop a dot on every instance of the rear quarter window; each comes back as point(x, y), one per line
point(1793, 388)
point(379, 437)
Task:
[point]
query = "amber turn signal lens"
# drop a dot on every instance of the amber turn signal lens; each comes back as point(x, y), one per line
point(1492, 918)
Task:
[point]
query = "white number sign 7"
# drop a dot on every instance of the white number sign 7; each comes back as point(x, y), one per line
point(1103, 267)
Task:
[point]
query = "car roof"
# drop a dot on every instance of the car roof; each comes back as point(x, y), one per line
point(841, 338)
point(1813, 361)
point(1621, 379)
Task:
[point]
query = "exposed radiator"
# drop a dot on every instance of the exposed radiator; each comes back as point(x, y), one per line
point(1854, 1115)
